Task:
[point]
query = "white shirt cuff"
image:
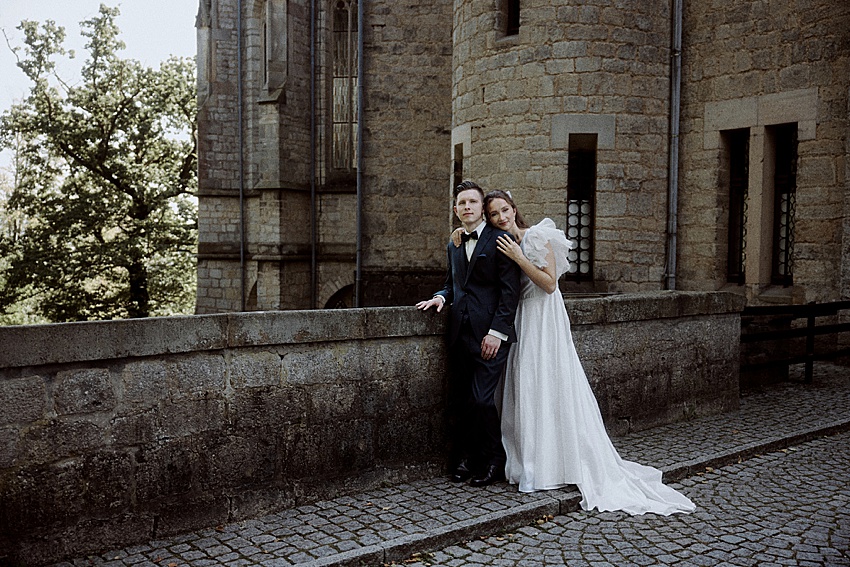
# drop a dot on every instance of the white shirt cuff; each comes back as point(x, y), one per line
point(498, 335)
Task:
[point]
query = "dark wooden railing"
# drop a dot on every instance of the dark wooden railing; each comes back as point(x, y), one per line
point(786, 348)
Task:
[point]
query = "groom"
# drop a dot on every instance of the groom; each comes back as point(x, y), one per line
point(482, 287)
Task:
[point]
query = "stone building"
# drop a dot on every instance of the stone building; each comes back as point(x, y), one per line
point(582, 109)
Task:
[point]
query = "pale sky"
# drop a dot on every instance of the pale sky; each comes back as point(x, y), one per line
point(151, 29)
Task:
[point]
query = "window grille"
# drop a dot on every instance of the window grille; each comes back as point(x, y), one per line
point(581, 197)
point(344, 107)
point(738, 144)
point(784, 204)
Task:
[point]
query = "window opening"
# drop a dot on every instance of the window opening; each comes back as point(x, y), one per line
point(344, 86)
point(785, 202)
point(581, 197)
point(738, 145)
point(266, 50)
point(512, 27)
point(457, 173)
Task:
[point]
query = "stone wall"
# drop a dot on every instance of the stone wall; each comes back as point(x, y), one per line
point(112, 432)
point(406, 154)
point(121, 431)
point(752, 65)
point(448, 94)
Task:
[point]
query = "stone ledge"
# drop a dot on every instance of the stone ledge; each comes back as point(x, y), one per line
point(652, 305)
point(63, 343)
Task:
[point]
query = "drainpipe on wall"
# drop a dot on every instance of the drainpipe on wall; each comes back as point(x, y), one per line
point(241, 154)
point(313, 224)
point(359, 268)
point(673, 166)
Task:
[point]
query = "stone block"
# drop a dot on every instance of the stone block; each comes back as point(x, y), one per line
point(322, 365)
point(260, 411)
point(338, 401)
point(9, 441)
point(254, 369)
point(410, 439)
point(144, 382)
point(81, 538)
point(166, 470)
point(22, 400)
point(252, 503)
point(190, 416)
point(65, 492)
point(239, 461)
point(134, 429)
point(198, 373)
point(56, 439)
point(84, 391)
point(104, 340)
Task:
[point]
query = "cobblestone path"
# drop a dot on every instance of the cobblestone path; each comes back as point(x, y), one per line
point(790, 507)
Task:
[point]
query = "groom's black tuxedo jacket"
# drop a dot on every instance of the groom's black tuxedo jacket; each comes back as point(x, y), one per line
point(485, 289)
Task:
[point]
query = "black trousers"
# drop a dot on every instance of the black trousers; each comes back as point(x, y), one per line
point(477, 431)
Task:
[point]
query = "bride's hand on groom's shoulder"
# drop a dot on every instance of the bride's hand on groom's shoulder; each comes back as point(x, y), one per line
point(509, 248)
point(456, 240)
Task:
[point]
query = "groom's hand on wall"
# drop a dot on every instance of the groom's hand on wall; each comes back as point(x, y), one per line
point(436, 301)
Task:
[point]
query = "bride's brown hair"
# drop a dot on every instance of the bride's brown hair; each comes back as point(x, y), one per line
point(498, 194)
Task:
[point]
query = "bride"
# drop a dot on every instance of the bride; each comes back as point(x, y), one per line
point(552, 429)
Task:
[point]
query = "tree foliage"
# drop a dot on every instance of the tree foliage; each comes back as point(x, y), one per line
point(104, 182)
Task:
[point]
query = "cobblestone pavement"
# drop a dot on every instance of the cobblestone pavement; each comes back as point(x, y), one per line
point(392, 523)
point(790, 507)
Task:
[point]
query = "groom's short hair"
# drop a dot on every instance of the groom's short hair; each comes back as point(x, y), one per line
point(466, 186)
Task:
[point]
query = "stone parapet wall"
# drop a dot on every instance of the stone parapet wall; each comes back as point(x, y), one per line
point(120, 431)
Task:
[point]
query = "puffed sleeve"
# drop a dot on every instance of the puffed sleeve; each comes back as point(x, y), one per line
point(534, 245)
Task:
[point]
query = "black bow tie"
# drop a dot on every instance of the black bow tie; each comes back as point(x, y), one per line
point(473, 235)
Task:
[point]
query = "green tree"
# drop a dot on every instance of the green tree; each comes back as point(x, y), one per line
point(105, 177)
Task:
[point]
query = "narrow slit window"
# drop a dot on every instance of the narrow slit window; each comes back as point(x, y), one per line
point(738, 146)
point(512, 18)
point(507, 18)
point(581, 201)
point(784, 202)
point(344, 95)
point(457, 173)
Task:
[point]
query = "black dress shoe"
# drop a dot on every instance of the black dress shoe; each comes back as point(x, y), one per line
point(493, 473)
point(461, 472)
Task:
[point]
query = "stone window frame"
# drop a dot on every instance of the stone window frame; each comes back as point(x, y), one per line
point(761, 114)
point(604, 128)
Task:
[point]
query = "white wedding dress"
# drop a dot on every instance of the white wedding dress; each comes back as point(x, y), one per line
point(551, 425)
